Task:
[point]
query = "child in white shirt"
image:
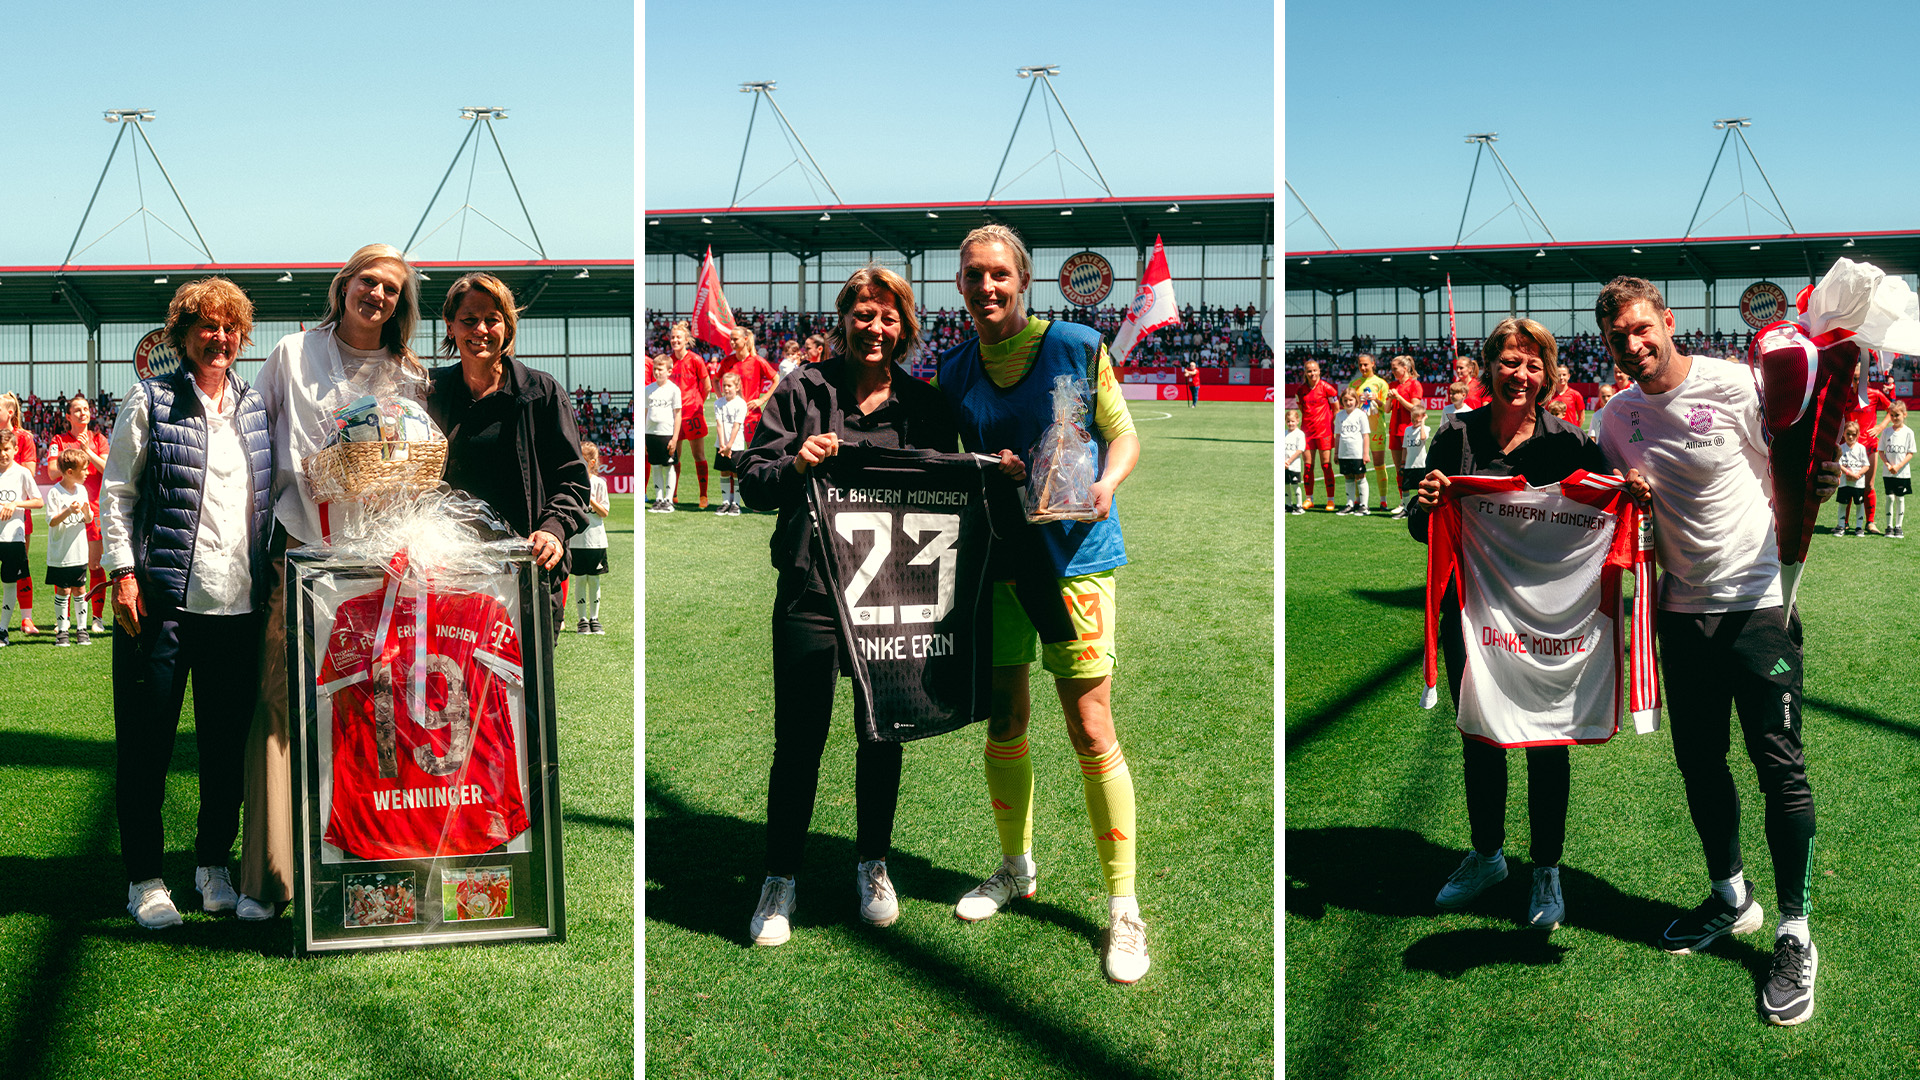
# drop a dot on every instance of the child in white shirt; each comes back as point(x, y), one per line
point(69, 507)
point(1853, 489)
point(663, 433)
point(589, 545)
point(1896, 454)
point(730, 418)
point(1351, 433)
point(1414, 441)
point(1456, 403)
point(1293, 451)
point(19, 493)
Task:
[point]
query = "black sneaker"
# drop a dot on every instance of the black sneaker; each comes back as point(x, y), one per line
point(1787, 997)
point(1711, 921)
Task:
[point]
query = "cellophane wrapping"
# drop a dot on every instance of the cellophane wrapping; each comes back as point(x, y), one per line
point(1062, 467)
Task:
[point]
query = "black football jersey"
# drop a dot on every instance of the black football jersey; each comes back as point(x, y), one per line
point(905, 536)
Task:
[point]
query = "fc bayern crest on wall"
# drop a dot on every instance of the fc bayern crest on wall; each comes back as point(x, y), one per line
point(155, 355)
point(1086, 279)
point(1763, 303)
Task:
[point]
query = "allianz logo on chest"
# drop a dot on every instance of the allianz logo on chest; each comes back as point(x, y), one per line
point(1700, 423)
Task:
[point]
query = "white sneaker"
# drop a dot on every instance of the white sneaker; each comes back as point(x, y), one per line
point(96, 627)
point(986, 899)
point(251, 910)
point(151, 905)
point(215, 887)
point(771, 925)
point(1127, 957)
point(1471, 879)
point(1397, 512)
point(878, 904)
point(1547, 907)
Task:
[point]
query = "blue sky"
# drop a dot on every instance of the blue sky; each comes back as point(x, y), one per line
point(302, 133)
point(1604, 116)
point(914, 103)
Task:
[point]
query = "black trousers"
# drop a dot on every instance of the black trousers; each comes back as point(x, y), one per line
point(222, 653)
point(1749, 662)
point(806, 666)
point(1484, 768)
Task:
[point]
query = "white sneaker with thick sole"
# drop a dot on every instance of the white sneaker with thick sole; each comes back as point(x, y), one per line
point(215, 887)
point(1127, 957)
point(988, 898)
point(151, 905)
point(771, 923)
point(878, 903)
point(1473, 877)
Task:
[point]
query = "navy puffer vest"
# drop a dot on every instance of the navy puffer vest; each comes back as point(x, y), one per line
point(167, 518)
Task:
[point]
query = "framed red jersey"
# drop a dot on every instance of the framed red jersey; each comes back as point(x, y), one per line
point(423, 748)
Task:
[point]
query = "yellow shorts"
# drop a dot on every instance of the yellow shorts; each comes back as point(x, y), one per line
point(1090, 607)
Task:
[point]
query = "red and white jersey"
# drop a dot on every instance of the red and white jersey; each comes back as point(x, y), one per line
point(1538, 576)
point(424, 757)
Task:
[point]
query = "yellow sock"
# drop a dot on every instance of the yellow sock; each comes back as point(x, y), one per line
point(1110, 808)
point(1010, 784)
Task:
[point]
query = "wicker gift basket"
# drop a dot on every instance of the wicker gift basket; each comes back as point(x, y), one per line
point(357, 470)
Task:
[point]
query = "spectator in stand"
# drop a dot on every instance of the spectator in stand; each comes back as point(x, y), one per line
point(93, 447)
point(24, 455)
point(690, 375)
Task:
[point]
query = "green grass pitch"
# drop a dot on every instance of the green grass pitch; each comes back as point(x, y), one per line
point(84, 992)
point(1380, 983)
point(1020, 995)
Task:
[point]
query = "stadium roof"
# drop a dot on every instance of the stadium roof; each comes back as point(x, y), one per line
point(139, 294)
point(1703, 258)
point(806, 231)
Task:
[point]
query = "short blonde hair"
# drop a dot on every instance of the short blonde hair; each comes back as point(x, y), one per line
point(208, 300)
point(1000, 234)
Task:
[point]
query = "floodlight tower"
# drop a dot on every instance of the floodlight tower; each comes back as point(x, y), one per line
point(1042, 74)
point(1485, 140)
point(764, 88)
point(135, 119)
point(479, 114)
point(1732, 126)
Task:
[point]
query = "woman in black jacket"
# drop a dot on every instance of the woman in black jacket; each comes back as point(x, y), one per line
point(858, 394)
point(1512, 435)
point(512, 442)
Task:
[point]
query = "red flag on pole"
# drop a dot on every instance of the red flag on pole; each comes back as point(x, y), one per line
point(1152, 306)
point(1453, 335)
point(712, 318)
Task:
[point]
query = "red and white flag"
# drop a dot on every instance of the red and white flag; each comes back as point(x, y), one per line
point(712, 318)
point(1151, 309)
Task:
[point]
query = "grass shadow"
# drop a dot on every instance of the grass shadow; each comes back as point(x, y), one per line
point(704, 873)
point(1396, 872)
point(1360, 689)
point(1860, 716)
